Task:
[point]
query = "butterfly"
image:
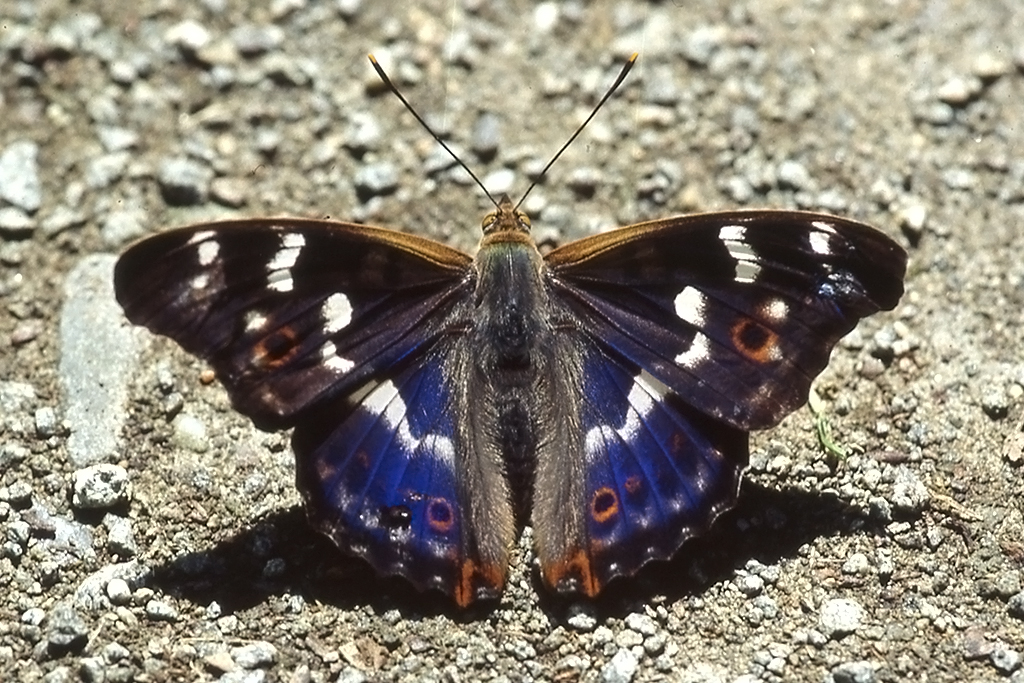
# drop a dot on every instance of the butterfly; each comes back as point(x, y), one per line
point(601, 393)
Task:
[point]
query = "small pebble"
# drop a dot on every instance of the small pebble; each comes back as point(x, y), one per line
point(377, 179)
point(158, 610)
point(486, 136)
point(100, 486)
point(15, 223)
point(254, 655)
point(1005, 659)
point(119, 592)
point(854, 672)
point(840, 617)
point(66, 631)
point(189, 433)
point(581, 618)
point(19, 176)
point(184, 182)
point(621, 668)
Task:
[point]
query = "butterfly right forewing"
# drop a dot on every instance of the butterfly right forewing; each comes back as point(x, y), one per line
point(736, 312)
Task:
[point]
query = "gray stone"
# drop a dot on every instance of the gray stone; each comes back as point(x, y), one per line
point(19, 176)
point(184, 181)
point(621, 668)
point(1005, 659)
point(854, 672)
point(158, 610)
point(794, 175)
point(18, 494)
point(105, 170)
point(66, 631)
point(46, 422)
point(251, 40)
point(95, 384)
point(15, 223)
point(254, 655)
point(118, 591)
point(486, 136)
point(840, 617)
point(581, 618)
point(190, 433)
point(120, 537)
point(188, 36)
point(101, 486)
point(376, 179)
point(92, 593)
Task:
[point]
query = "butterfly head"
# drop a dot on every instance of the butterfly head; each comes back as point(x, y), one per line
point(506, 218)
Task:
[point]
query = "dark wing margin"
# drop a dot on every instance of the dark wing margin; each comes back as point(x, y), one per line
point(735, 312)
point(290, 311)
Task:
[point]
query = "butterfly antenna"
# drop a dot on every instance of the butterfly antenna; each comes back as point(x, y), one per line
point(615, 86)
point(391, 86)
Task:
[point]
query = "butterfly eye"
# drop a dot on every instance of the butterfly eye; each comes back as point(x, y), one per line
point(524, 220)
point(489, 220)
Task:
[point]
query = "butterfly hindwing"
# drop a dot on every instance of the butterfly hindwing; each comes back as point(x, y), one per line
point(654, 471)
point(290, 311)
point(736, 312)
point(385, 472)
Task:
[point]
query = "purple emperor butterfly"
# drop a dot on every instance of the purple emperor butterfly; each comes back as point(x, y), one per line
point(440, 401)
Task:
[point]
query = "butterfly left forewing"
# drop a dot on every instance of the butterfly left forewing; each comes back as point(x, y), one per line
point(290, 311)
point(735, 312)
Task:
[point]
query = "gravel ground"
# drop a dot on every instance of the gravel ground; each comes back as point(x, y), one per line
point(150, 533)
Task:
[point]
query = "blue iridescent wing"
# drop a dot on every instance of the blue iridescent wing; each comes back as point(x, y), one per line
point(354, 335)
point(290, 312)
point(688, 332)
point(384, 473)
point(650, 472)
point(736, 312)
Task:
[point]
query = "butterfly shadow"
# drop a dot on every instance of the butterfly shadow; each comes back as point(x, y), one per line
point(767, 525)
point(281, 555)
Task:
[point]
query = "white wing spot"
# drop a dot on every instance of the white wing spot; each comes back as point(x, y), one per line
point(337, 312)
point(201, 281)
point(255, 321)
point(824, 227)
point(388, 403)
point(280, 281)
point(732, 233)
point(821, 243)
point(735, 239)
point(775, 310)
point(208, 252)
point(643, 395)
point(697, 353)
point(200, 236)
point(279, 274)
point(329, 355)
point(690, 304)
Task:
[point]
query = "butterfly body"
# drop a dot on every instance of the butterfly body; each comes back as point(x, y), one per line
point(601, 394)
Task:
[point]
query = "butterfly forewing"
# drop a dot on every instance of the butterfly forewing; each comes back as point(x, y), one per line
point(289, 311)
point(735, 312)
